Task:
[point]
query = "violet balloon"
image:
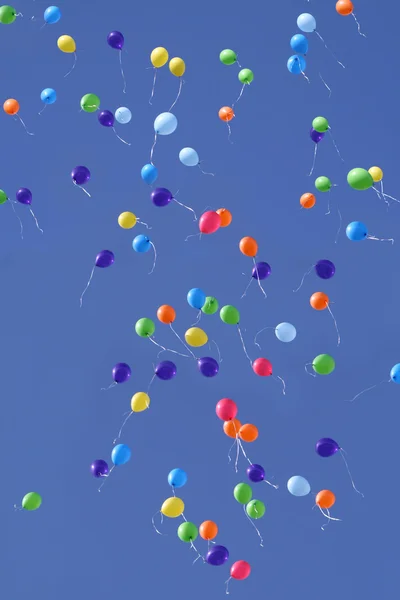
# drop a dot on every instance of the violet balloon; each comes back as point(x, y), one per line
point(316, 136)
point(208, 366)
point(116, 40)
point(255, 473)
point(263, 269)
point(161, 197)
point(121, 372)
point(106, 118)
point(104, 259)
point(217, 556)
point(326, 447)
point(99, 468)
point(165, 370)
point(24, 196)
point(80, 175)
point(325, 269)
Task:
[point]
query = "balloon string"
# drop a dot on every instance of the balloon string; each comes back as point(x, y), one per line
point(237, 453)
point(87, 285)
point(303, 278)
point(329, 50)
point(122, 71)
point(258, 533)
point(247, 288)
point(151, 381)
point(335, 145)
point(23, 125)
point(105, 478)
point(193, 547)
point(386, 195)
point(113, 384)
point(73, 66)
point(373, 237)
point(358, 25)
point(40, 112)
point(152, 149)
point(122, 426)
point(187, 208)
point(258, 333)
point(234, 443)
point(198, 319)
point(18, 217)
point(18, 508)
point(283, 383)
point(181, 82)
point(218, 351)
point(145, 224)
point(205, 172)
point(120, 138)
point(258, 278)
point(368, 389)
point(328, 212)
point(81, 187)
point(307, 371)
point(327, 515)
point(340, 226)
point(343, 452)
point(36, 221)
point(154, 525)
point(227, 585)
point(325, 84)
point(229, 133)
point(153, 89)
point(184, 518)
point(304, 75)
point(335, 323)
point(314, 159)
point(243, 345)
point(193, 235)
point(240, 95)
point(155, 258)
point(181, 341)
point(167, 349)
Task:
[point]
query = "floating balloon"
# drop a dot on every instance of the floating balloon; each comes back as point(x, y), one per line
point(142, 244)
point(299, 44)
point(231, 428)
point(255, 473)
point(32, 500)
point(116, 40)
point(285, 332)
point(320, 301)
point(229, 315)
point(228, 57)
point(177, 67)
point(357, 231)
point(158, 58)
point(255, 509)
point(324, 269)
point(81, 175)
point(189, 157)
point(376, 174)
point(3, 197)
point(165, 370)
point(217, 556)
point(306, 23)
point(226, 114)
point(67, 44)
point(323, 184)
point(323, 364)
point(262, 367)
point(320, 124)
point(121, 454)
point(47, 96)
point(316, 136)
point(208, 366)
point(52, 15)
point(395, 373)
point(298, 486)
point(149, 174)
point(121, 373)
point(196, 337)
point(24, 196)
point(107, 119)
point(248, 246)
point(165, 124)
point(140, 402)
point(104, 259)
point(296, 65)
point(226, 217)
point(227, 409)
point(145, 327)
point(242, 493)
point(99, 468)
point(209, 222)
point(326, 447)
point(127, 220)
point(346, 8)
point(187, 532)
point(196, 298)
point(325, 499)
point(8, 15)
point(123, 115)
point(246, 76)
point(240, 570)
point(162, 197)
point(166, 314)
point(307, 200)
point(90, 103)
point(177, 478)
point(208, 530)
point(11, 107)
point(210, 306)
point(261, 271)
point(248, 433)
point(360, 179)
point(172, 507)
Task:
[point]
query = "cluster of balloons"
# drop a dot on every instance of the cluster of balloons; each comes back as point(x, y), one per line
point(158, 58)
point(261, 270)
point(120, 455)
point(245, 76)
point(211, 220)
point(90, 103)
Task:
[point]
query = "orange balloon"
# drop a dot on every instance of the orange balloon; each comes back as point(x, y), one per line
point(226, 216)
point(248, 246)
point(208, 530)
point(325, 499)
point(166, 314)
point(308, 200)
point(344, 7)
point(319, 301)
point(11, 106)
point(231, 428)
point(248, 433)
point(226, 114)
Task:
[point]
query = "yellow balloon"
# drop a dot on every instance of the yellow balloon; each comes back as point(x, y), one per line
point(140, 401)
point(159, 57)
point(196, 337)
point(66, 44)
point(172, 507)
point(376, 173)
point(177, 67)
point(127, 220)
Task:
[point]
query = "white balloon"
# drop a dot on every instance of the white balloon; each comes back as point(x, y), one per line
point(285, 332)
point(306, 23)
point(165, 123)
point(189, 157)
point(298, 486)
point(123, 115)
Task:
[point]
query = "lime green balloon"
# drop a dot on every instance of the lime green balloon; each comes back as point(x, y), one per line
point(210, 306)
point(187, 532)
point(360, 179)
point(228, 57)
point(246, 76)
point(31, 501)
point(8, 14)
point(229, 315)
point(323, 184)
point(255, 509)
point(243, 493)
point(320, 124)
point(3, 197)
point(145, 327)
point(323, 364)
point(90, 103)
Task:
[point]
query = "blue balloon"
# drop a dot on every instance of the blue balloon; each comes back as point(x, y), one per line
point(149, 173)
point(52, 15)
point(48, 96)
point(356, 231)
point(395, 373)
point(123, 115)
point(298, 486)
point(299, 43)
point(296, 64)
point(120, 454)
point(141, 243)
point(285, 332)
point(196, 298)
point(177, 478)
point(165, 123)
point(306, 23)
point(189, 157)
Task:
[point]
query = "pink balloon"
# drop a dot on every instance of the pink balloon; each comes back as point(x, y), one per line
point(209, 222)
point(226, 409)
point(240, 570)
point(262, 367)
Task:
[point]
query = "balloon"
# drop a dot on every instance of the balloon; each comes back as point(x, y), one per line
point(80, 175)
point(208, 366)
point(356, 231)
point(24, 196)
point(177, 478)
point(316, 136)
point(217, 556)
point(395, 373)
point(123, 115)
point(326, 447)
point(226, 114)
point(66, 44)
point(325, 499)
point(127, 220)
point(298, 486)
point(196, 298)
point(261, 271)
point(299, 43)
point(3, 197)
point(116, 40)
point(161, 197)
point(323, 184)
point(255, 509)
point(121, 454)
point(165, 370)
point(210, 306)
point(306, 23)
point(226, 216)
point(320, 124)
point(319, 301)
point(31, 501)
point(165, 123)
point(166, 314)
point(189, 157)
point(255, 473)
point(229, 315)
point(226, 409)
point(141, 243)
point(376, 174)
point(187, 532)
point(177, 66)
point(149, 173)
point(242, 493)
point(308, 200)
point(104, 259)
point(262, 367)
point(344, 7)
point(196, 337)
point(285, 332)
point(106, 118)
point(248, 433)
point(209, 222)
point(240, 570)
point(140, 402)
point(7, 15)
point(11, 106)
point(323, 364)
point(99, 468)
point(121, 372)
point(246, 76)
point(360, 179)
point(296, 64)
point(228, 57)
point(325, 269)
point(48, 96)
point(231, 428)
point(52, 15)
point(248, 246)
point(208, 530)
point(159, 57)
point(90, 103)
point(172, 507)
point(145, 327)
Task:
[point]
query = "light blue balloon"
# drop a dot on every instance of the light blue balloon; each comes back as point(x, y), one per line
point(149, 173)
point(196, 298)
point(165, 123)
point(285, 332)
point(306, 23)
point(395, 373)
point(48, 96)
point(123, 115)
point(177, 478)
point(189, 157)
point(296, 64)
point(299, 43)
point(52, 15)
point(120, 454)
point(356, 231)
point(141, 243)
point(298, 486)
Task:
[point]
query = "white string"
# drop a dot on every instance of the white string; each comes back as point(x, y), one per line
point(386, 195)
point(113, 384)
point(307, 371)
point(373, 237)
point(153, 89)
point(24, 126)
point(181, 82)
point(155, 258)
point(304, 75)
point(105, 478)
point(303, 278)
point(181, 341)
point(193, 547)
point(381, 197)
point(193, 235)
point(335, 323)
point(343, 452)
point(327, 515)
point(120, 138)
point(232, 447)
point(227, 585)
point(218, 351)
point(229, 133)
point(198, 319)
point(143, 223)
point(187, 208)
point(243, 345)
point(151, 381)
point(152, 148)
point(205, 172)
point(122, 71)
point(340, 226)
point(335, 145)
point(122, 426)
point(258, 278)
point(81, 187)
point(358, 25)
point(12, 202)
point(258, 333)
point(40, 112)
point(368, 390)
point(247, 288)
point(329, 50)
point(161, 518)
point(36, 221)
point(283, 383)
point(167, 349)
point(314, 159)
point(240, 95)
point(258, 533)
point(87, 285)
point(325, 84)
point(73, 66)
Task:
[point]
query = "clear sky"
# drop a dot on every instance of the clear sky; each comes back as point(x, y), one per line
point(55, 356)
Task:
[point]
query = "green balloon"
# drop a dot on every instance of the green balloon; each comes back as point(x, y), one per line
point(246, 76)
point(243, 493)
point(360, 179)
point(90, 103)
point(3, 197)
point(145, 327)
point(320, 124)
point(228, 57)
point(7, 14)
point(323, 184)
point(255, 509)
point(210, 306)
point(187, 532)
point(229, 315)
point(323, 364)
point(31, 501)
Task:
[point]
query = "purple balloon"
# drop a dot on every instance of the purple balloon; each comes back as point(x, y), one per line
point(256, 473)
point(217, 556)
point(161, 197)
point(326, 447)
point(116, 40)
point(325, 269)
point(106, 118)
point(24, 196)
point(165, 370)
point(121, 372)
point(208, 366)
point(80, 175)
point(104, 259)
point(99, 468)
point(316, 136)
point(263, 269)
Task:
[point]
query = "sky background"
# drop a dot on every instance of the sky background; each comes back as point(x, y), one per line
point(56, 357)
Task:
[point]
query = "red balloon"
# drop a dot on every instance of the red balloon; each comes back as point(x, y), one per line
point(209, 222)
point(240, 570)
point(226, 409)
point(262, 367)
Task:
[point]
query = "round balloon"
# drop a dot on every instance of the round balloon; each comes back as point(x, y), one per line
point(262, 367)
point(149, 173)
point(228, 57)
point(24, 196)
point(226, 409)
point(210, 306)
point(115, 39)
point(255, 509)
point(299, 43)
point(166, 314)
point(226, 114)
point(90, 103)
point(7, 14)
point(121, 373)
point(231, 428)
point(325, 499)
point(127, 220)
point(245, 76)
point(104, 259)
point(298, 486)
point(123, 115)
point(165, 370)
point(356, 231)
point(3, 197)
point(376, 174)
point(140, 402)
point(196, 298)
point(344, 7)
point(80, 175)
point(308, 200)
point(172, 507)
point(177, 478)
point(226, 217)
point(196, 337)
point(217, 556)
point(106, 118)
point(66, 44)
point(395, 373)
point(242, 493)
point(229, 315)
point(261, 271)
point(145, 327)
point(306, 23)
point(31, 501)
point(121, 454)
point(177, 66)
point(161, 197)
point(11, 106)
point(159, 57)
point(296, 64)
point(52, 15)
point(248, 432)
point(323, 364)
point(320, 124)
point(165, 123)
point(360, 179)
point(316, 136)
point(319, 301)
point(208, 366)
point(99, 468)
point(326, 447)
point(187, 532)
point(48, 96)
point(323, 184)
point(325, 269)
point(285, 332)
point(240, 570)
point(141, 243)
point(208, 530)
point(189, 157)
point(255, 473)
point(209, 222)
